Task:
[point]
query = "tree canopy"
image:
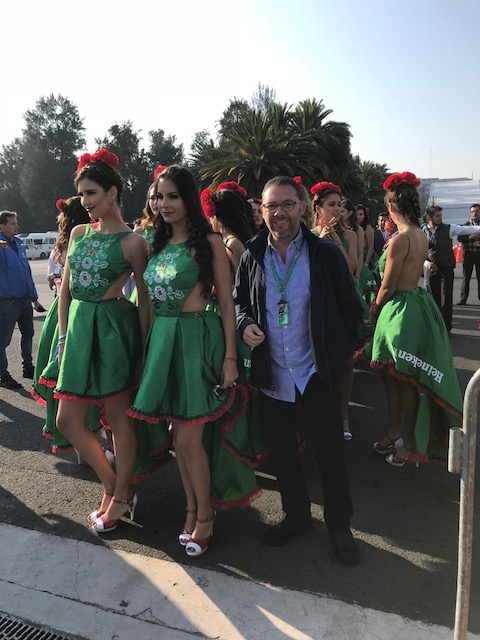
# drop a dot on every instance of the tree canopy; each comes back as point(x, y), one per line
point(255, 141)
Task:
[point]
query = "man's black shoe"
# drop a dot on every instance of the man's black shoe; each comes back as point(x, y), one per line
point(9, 383)
point(461, 303)
point(28, 372)
point(345, 547)
point(285, 531)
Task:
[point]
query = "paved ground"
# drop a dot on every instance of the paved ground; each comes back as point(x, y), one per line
point(406, 521)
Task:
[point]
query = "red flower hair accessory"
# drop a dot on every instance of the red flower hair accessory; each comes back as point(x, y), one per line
point(60, 203)
point(102, 155)
point(395, 180)
point(318, 188)
point(298, 180)
point(232, 186)
point(158, 170)
point(208, 205)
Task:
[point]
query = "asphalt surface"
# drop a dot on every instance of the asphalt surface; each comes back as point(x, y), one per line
point(406, 520)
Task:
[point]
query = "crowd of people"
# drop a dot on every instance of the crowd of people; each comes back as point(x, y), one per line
point(202, 333)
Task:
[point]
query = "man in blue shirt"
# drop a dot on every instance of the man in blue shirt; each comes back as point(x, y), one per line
point(17, 293)
point(298, 309)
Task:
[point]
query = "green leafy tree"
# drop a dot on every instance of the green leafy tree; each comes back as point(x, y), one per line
point(164, 149)
point(134, 166)
point(43, 160)
point(11, 163)
point(372, 175)
point(260, 140)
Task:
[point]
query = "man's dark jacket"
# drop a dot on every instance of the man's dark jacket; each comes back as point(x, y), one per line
point(440, 248)
point(335, 309)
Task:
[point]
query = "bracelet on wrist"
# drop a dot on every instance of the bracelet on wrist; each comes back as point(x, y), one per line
point(227, 358)
point(62, 336)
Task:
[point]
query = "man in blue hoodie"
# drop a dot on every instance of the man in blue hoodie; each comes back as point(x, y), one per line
point(17, 293)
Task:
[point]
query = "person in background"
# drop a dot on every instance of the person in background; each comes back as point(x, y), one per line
point(298, 310)
point(54, 272)
point(363, 220)
point(380, 235)
point(17, 294)
point(257, 214)
point(471, 255)
point(410, 344)
point(440, 262)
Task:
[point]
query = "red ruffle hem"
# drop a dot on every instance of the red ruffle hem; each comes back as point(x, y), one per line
point(209, 417)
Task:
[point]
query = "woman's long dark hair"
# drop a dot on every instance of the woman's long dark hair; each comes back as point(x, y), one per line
point(406, 201)
point(366, 220)
point(318, 201)
point(234, 214)
point(198, 227)
point(104, 175)
point(352, 215)
point(71, 215)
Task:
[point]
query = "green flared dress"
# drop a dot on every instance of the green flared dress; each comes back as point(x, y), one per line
point(364, 331)
point(182, 366)
point(412, 341)
point(46, 360)
point(102, 346)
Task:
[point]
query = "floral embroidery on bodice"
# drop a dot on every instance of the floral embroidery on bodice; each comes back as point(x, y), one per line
point(96, 261)
point(170, 276)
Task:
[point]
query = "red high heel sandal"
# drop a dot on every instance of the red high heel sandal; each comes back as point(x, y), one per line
point(185, 536)
point(196, 546)
point(103, 525)
point(97, 513)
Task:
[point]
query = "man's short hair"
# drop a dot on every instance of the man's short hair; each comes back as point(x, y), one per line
point(5, 215)
point(431, 211)
point(474, 205)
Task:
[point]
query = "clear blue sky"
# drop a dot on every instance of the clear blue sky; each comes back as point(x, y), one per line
point(404, 75)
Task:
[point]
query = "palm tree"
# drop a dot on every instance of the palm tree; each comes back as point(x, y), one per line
point(258, 144)
point(372, 176)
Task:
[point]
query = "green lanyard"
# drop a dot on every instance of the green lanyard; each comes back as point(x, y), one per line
point(283, 285)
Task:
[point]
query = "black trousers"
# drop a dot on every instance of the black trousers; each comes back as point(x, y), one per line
point(321, 408)
point(441, 286)
point(470, 259)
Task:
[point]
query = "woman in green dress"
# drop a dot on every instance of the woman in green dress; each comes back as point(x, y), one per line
point(101, 333)
point(71, 214)
point(410, 344)
point(190, 364)
point(328, 208)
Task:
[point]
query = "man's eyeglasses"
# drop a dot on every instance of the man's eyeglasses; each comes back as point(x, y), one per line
point(286, 205)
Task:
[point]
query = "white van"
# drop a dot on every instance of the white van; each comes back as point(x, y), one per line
point(39, 245)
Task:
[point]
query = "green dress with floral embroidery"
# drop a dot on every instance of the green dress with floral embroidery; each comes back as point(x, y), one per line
point(182, 367)
point(42, 391)
point(102, 346)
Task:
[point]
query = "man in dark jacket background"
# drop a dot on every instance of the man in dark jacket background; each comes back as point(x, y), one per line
point(441, 259)
point(297, 308)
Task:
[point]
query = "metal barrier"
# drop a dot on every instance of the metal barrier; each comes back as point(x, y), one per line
point(461, 459)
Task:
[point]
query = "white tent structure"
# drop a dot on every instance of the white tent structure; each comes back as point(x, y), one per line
point(455, 196)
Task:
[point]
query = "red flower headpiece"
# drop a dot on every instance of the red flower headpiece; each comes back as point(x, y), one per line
point(159, 170)
point(318, 188)
point(298, 180)
point(102, 155)
point(232, 186)
point(208, 205)
point(60, 203)
point(395, 180)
